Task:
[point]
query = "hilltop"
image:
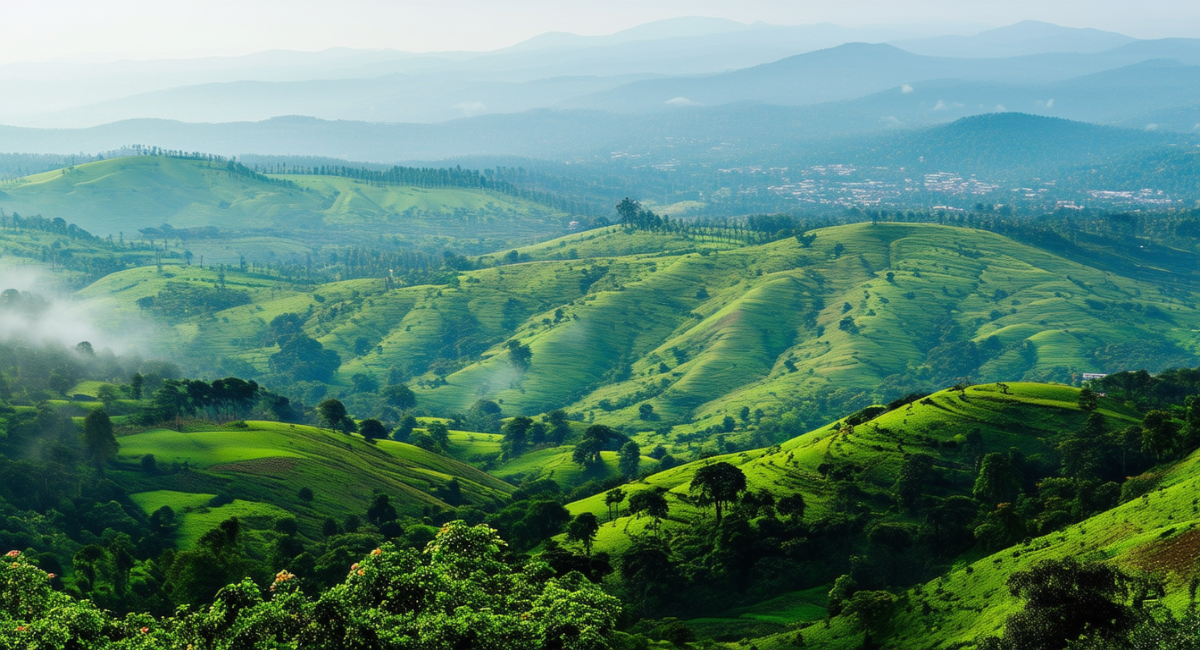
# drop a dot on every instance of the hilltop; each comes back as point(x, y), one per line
point(263, 465)
point(215, 204)
point(699, 331)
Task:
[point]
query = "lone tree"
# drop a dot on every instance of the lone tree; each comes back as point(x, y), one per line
point(1088, 401)
point(1066, 602)
point(399, 396)
point(373, 429)
point(997, 481)
point(719, 483)
point(583, 529)
point(630, 459)
point(613, 498)
point(651, 502)
point(333, 413)
point(792, 506)
point(98, 437)
point(519, 354)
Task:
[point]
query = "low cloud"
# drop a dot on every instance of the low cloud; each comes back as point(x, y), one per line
point(906, 89)
point(471, 109)
point(681, 101)
point(33, 310)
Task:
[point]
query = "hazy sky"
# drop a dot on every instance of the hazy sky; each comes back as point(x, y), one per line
point(38, 30)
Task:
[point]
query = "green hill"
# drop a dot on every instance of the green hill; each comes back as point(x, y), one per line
point(1025, 416)
point(125, 195)
point(264, 465)
point(867, 313)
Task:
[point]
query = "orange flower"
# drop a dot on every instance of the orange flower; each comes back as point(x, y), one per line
point(377, 551)
point(145, 630)
point(361, 572)
point(20, 628)
point(51, 576)
point(354, 567)
point(12, 554)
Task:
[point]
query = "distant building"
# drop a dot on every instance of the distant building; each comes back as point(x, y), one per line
point(1092, 376)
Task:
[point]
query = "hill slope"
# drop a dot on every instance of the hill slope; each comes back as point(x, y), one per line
point(265, 465)
point(866, 313)
point(124, 195)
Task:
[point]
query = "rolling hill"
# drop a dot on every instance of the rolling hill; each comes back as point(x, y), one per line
point(699, 330)
point(263, 465)
point(125, 195)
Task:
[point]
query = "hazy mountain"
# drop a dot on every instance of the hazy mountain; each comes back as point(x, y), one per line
point(704, 61)
point(1023, 38)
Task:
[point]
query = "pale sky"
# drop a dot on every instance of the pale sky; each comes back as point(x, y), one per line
point(42, 30)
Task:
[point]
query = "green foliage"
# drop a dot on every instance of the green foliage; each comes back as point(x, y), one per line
point(102, 445)
point(459, 593)
point(719, 483)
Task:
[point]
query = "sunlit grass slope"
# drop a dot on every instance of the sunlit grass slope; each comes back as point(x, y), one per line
point(267, 464)
point(1029, 417)
point(1157, 534)
point(700, 333)
point(127, 194)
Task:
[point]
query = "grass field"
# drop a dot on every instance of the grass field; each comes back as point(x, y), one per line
point(1029, 417)
point(123, 195)
point(701, 332)
point(268, 463)
point(1158, 533)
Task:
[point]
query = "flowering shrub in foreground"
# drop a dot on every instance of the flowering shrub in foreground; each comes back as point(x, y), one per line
point(458, 594)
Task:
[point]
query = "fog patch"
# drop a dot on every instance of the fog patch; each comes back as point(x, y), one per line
point(906, 89)
point(32, 309)
point(681, 101)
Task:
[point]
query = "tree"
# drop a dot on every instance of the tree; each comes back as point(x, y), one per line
point(1068, 602)
point(305, 494)
point(613, 498)
point(399, 396)
point(107, 394)
point(560, 427)
point(629, 459)
point(381, 510)
point(594, 440)
point(914, 472)
point(792, 506)
point(719, 483)
point(98, 438)
point(515, 433)
point(1088, 401)
point(583, 529)
point(372, 429)
point(871, 607)
point(135, 385)
point(843, 588)
point(304, 359)
point(333, 413)
point(1160, 434)
point(404, 429)
point(519, 354)
point(728, 423)
point(651, 502)
point(646, 411)
point(440, 433)
point(997, 482)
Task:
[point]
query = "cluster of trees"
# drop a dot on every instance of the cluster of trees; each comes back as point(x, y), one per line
point(180, 300)
point(439, 177)
point(463, 591)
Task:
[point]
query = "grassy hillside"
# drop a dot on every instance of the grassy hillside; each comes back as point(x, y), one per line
point(1029, 417)
point(1157, 534)
point(866, 313)
point(264, 465)
point(124, 195)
